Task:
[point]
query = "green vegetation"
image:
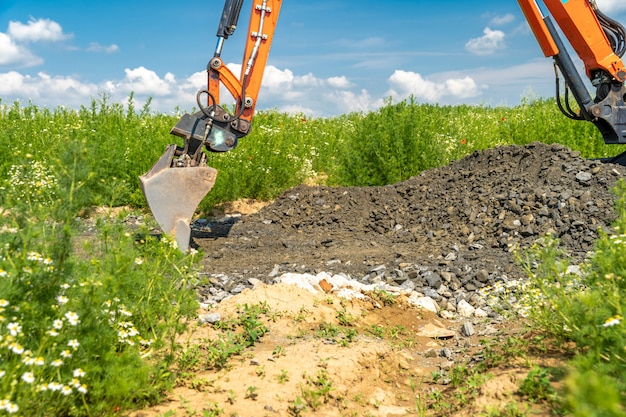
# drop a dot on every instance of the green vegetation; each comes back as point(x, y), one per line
point(89, 318)
point(585, 308)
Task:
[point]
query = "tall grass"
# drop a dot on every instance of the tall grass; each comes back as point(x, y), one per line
point(88, 325)
point(587, 307)
point(117, 144)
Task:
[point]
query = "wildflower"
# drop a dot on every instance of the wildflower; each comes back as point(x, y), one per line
point(138, 261)
point(66, 390)
point(73, 344)
point(42, 388)
point(28, 377)
point(14, 328)
point(3, 302)
point(58, 324)
point(34, 256)
point(612, 321)
point(56, 363)
point(72, 318)
point(83, 389)
point(39, 361)
point(61, 299)
point(27, 269)
point(65, 286)
point(78, 373)
point(12, 408)
point(66, 354)
point(54, 386)
point(125, 312)
point(16, 348)
point(75, 383)
point(52, 333)
point(3, 273)
point(2, 373)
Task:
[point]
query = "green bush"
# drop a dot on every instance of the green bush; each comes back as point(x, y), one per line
point(85, 328)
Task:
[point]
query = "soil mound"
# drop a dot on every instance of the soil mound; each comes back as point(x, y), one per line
point(459, 219)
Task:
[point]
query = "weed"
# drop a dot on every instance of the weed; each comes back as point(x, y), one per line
point(345, 318)
point(418, 395)
point(536, 386)
point(297, 407)
point(231, 397)
point(212, 410)
point(283, 376)
point(278, 351)
point(302, 314)
point(251, 392)
point(377, 331)
point(316, 391)
point(384, 297)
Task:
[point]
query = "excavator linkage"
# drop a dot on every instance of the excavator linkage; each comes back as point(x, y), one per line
point(181, 178)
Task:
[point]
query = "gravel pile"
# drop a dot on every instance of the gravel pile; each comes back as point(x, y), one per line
point(444, 234)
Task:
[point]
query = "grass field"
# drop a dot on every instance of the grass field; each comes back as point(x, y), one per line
point(83, 342)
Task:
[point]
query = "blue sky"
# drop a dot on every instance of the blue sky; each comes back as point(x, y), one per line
point(328, 57)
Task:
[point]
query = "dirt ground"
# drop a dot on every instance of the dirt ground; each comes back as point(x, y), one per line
point(371, 375)
point(458, 222)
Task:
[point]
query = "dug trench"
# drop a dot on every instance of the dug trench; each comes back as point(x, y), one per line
point(441, 241)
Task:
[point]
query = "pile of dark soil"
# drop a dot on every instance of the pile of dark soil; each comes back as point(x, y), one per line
point(450, 226)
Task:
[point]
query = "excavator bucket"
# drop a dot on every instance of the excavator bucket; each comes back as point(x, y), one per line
point(173, 194)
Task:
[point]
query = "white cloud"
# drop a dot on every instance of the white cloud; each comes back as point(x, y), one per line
point(491, 41)
point(406, 83)
point(284, 90)
point(502, 20)
point(143, 81)
point(37, 30)
point(13, 49)
point(611, 6)
point(45, 89)
point(16, 55)
point(96, 47)
point(339, 82)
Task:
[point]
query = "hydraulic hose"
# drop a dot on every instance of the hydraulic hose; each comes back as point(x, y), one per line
point(614, 31)
point(230, 16)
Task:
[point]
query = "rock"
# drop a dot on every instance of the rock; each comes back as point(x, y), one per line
point(446, 353)
point(433, 279)
point(467, 329)
point(210, 318)
point(426, 303)
point(430, 353)
point(465, 309)
point(435, 332)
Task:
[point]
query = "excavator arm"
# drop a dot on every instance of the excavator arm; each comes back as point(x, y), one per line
point(599, 42)
point(181, 178)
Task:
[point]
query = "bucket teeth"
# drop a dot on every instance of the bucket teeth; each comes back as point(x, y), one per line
point(173, 194)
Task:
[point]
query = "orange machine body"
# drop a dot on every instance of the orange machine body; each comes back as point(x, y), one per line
point(579, 23)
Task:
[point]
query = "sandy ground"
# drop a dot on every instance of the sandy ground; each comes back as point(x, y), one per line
point(368, 376)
